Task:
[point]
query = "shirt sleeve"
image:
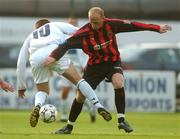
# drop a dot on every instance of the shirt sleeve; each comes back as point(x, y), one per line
point(21, 65)
point(66, 28)
point(119, 25)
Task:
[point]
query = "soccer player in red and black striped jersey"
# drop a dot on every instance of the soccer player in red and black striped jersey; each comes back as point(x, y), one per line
point(97, 39)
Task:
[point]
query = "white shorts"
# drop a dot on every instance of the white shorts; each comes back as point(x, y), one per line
point(40, 73)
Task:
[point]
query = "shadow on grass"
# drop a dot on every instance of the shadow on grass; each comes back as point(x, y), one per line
point(89, 134)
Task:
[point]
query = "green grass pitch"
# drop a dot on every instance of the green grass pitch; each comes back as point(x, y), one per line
point(15, 125)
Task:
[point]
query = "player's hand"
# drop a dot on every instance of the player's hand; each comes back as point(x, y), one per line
point(49, 61)
point(164, 28)
point(21, 93)
point(7, 87)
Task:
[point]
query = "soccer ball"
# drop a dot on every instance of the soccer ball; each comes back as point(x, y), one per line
point(48, 113)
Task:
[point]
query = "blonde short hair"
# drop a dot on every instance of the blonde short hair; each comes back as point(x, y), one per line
point(41, 22)
point(97, 10)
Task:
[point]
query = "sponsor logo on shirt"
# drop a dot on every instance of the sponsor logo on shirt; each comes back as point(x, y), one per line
point(118, 68)
point(102, 45)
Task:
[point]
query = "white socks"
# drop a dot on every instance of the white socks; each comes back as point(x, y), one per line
point(40, 98)
point(70, 123)
point(121, 115)
point(88, 92)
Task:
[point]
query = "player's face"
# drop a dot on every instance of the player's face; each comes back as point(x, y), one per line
point(96, 21)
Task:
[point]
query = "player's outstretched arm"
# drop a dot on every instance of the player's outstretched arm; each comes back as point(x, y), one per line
point(165, 28)
point(6, 86)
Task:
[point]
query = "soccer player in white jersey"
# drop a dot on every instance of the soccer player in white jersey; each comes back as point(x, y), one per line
point(37, 47)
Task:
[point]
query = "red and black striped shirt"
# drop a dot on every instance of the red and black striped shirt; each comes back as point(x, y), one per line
point(101, 45)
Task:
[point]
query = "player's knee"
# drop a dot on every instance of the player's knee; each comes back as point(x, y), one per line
point(118, 82)
point(43, 87)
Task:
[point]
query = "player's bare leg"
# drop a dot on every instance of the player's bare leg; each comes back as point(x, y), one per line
point(41, 95)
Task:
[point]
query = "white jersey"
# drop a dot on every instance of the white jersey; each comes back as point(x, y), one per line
point(44, 38)
point(51, 33)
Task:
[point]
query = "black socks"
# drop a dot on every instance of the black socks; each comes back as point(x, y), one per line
point(120, 102)
point(75, 110)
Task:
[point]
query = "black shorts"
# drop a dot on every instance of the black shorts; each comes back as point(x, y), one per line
point(94, 74)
